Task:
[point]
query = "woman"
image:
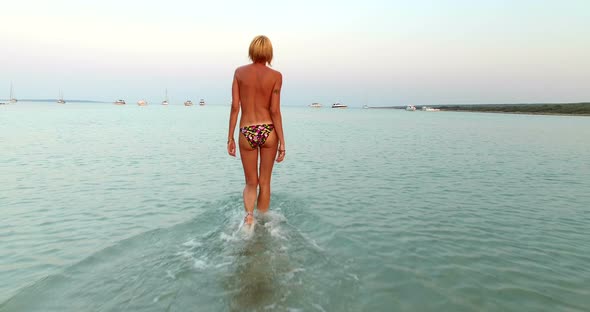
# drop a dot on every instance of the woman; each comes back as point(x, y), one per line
point(256, 89)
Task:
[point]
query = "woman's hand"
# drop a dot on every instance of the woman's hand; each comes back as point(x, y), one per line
point(281, 153)
point(231, 147)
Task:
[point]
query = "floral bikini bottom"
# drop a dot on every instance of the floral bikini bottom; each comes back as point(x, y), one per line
point(257, 134)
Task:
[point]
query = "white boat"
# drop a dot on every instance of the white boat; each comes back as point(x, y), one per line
point(188, 103)
point(142, 103)
point(12, 98)
point(61, 98)
point(366, 106)
point(165, 102)
point(315, 105)
point(119, 102)
point(339, 105)
point(430, 109)
point(202, 102)
point(410, 108)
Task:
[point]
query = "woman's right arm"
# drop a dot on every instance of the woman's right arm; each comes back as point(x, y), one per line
point(275, 114)
point(233, 116)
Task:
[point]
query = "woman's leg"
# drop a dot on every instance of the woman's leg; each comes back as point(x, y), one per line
point(249, 157)
point(268, 154)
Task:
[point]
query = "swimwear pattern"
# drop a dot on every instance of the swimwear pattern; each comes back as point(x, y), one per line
point(257, 134)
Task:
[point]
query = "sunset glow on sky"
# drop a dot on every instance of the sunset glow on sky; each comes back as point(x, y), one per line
point(375, 52)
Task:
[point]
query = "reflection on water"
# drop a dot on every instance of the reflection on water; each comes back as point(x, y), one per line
point(253, 282)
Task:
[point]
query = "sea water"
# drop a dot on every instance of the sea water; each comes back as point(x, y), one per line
point(127, 208)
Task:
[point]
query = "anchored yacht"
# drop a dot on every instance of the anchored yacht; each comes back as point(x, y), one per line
point(61, 98)
point(12, 98)
point(165, 102)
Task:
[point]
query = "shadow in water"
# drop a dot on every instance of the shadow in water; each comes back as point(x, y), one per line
point(257, 280)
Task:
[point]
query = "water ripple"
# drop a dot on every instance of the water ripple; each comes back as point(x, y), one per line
point(121, 208)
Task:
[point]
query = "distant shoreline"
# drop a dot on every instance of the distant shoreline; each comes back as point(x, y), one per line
point(53, 101)
point(516, 113)
point(558, 109)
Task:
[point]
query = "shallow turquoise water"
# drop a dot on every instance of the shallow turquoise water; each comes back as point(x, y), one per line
point(109, 208)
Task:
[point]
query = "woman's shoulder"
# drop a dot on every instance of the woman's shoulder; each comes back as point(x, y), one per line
point(242, 68)
point(276, 72)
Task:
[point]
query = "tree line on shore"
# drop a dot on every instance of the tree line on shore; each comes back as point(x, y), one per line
point(545, 108)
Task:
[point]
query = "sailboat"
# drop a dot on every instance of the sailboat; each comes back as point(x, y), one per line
point(165, 102)
point(61, 98)
point(12, 98)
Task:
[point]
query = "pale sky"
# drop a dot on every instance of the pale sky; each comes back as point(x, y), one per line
point(355, 52)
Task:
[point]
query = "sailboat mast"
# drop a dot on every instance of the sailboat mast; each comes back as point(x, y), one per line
point(11, 97)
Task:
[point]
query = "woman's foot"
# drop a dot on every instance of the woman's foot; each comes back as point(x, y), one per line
point(249, 219)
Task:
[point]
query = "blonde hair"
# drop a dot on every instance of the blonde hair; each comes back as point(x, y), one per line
point(260, 50)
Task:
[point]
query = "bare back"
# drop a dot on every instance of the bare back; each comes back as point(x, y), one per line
point(256, 84)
